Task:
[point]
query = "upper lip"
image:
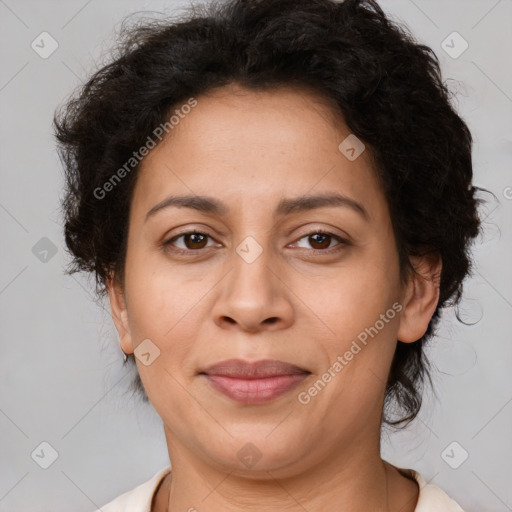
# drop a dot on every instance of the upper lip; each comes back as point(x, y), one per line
point(238, 368)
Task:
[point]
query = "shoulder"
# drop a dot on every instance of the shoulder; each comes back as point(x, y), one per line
point(432, 498)
point(138, 499)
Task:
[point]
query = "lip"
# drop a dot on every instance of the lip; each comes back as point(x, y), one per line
point(255, 382)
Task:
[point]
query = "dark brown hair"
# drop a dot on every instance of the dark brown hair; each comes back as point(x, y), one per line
point(387, 87)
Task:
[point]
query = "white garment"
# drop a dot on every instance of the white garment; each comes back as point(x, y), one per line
point(431, 498)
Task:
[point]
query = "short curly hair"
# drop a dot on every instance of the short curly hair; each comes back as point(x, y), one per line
point(386, 87)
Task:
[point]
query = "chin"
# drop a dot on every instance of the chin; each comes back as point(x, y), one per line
point(254, 452)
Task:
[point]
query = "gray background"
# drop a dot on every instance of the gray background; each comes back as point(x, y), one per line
point(61, 377)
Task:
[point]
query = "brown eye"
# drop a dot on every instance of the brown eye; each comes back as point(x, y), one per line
point(321, 241)
point(195, 240)
point(192, 240)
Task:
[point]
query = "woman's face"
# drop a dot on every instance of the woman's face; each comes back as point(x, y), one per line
point(261, 282)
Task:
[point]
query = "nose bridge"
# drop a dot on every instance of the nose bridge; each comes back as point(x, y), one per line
point(252, 295)
point(250, 279)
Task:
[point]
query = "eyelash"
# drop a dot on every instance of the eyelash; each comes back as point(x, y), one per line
point(329, 250)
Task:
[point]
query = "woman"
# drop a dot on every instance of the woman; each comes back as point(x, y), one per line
point(277, 199)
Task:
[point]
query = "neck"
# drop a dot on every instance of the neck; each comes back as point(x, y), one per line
point(350, 480)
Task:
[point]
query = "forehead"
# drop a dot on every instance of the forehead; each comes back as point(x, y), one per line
point(254, 147)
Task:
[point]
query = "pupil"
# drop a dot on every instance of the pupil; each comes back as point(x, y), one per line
point(194, 239)
point(321, 236)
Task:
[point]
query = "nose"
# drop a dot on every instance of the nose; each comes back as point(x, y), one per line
point(254, 296)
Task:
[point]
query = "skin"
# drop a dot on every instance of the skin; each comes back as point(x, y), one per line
point(250, 150)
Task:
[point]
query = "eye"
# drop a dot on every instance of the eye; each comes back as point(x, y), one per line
point(321, 241)
point(192, 240)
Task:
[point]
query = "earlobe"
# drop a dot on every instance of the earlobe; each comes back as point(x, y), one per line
point(421, 298)
point(120, 315)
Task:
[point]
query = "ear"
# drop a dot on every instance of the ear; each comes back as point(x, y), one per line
point(420, 298)
point(120, 314)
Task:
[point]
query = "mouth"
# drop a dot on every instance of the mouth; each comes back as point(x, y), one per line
point(254, 382)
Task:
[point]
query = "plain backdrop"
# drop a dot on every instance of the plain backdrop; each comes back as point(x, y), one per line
point(61, 378)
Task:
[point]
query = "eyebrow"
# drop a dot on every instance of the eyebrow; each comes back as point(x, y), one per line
point(211, 205)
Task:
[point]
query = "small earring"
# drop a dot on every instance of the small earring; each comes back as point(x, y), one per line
point(125, 357)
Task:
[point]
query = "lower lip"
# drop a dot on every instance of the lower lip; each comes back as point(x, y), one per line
point(255, 391)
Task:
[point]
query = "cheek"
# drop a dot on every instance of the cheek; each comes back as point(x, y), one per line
point(157, 298)
point(164, 308)
point(362, 309)
point(356, 297)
